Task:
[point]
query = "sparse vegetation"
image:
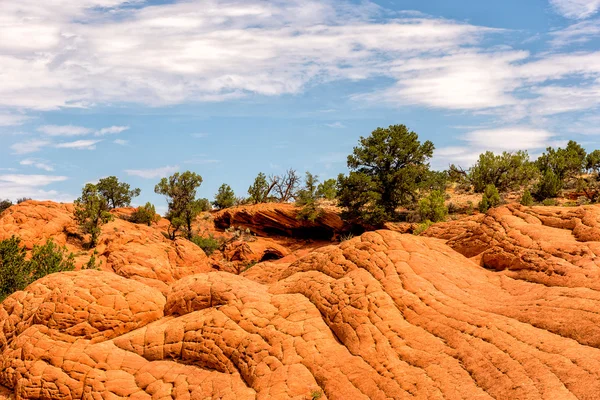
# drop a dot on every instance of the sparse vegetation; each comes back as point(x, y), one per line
point(327, 189)
point(307, 198)
point(91, 212)
point(208, 244)
point(527, 198)
point(489, 199)
point(180, 191)
point(4, 205)
point(16, 272)
point(260, 190)
point(422, 227)
point(433, 207)
point(23, 199)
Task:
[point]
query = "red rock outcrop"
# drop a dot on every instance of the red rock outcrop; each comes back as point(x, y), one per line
point(556, 246)
point(273, 219)
point(131, 250)
point(380, 316)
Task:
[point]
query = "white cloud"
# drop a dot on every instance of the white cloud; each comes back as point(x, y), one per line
point(580, 32)
point(40, 164)
point(576, 9)
point(13, 119)
point(64, 130)
point(121, 142)
point(337, 125)
point(112, 130)
point(30, 146)
point(14, 186)
point(153, 173)
point(510, 138)
point(78, 145)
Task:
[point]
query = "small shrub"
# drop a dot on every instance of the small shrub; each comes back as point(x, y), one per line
point(452, 208)
point(432, 207)
point(4, 205)
point(208, 244)
point(422, 227)
point(16, 272)
point(145, 215)
point(470, 208)
point(527, 199)
point(549, 186)
point(224, 198)
point(316, 394)
point(550, 202)
point(490, 198)
point(92, 264)
point(346, 236)
point(582, 201)
point(23, 199)
point(204, 205)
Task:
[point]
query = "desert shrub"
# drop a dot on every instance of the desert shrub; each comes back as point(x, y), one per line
point(433, 208)
point(489, 199)
point(307, 198)
point(316, 394)
point(452, 208)
point(422, 227)
point(4, 205)
point(470, 207)
point(549, 185)
point(527, 198)
point(204, 205)
point(346, 236)
point(92, 262)
point(582, 201)
point(23, 199)
point(327, 189)
point(550, 202)
point(225, 197)
point(208, 244)
point(145, 215)
point(16, 272)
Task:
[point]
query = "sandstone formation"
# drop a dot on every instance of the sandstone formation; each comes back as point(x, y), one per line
point(274, 219)
point(381, 316)
point(555, 246)
point(134, 251)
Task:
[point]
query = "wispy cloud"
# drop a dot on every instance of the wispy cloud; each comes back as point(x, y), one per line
point(576, 9)
point(37, 163)
point(13, 119)
point(199, 135)
point(78, 145)
point(121, 142)
point(153, 172)
point(336, 125)
point(30, 146)
point(64, 130)
point(111, 130)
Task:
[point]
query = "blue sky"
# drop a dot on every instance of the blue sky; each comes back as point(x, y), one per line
point(141, 89)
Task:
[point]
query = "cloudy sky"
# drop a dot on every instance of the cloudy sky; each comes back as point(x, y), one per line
point(229, 88)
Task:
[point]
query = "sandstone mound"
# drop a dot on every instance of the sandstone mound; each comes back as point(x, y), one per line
point(272, 219)
point(555, 246)
point(131, 250)
point(381, 316)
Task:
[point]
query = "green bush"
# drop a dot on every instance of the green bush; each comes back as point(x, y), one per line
point(433, 207)
point(527, 199)
point(208, 244)
point(549, 185)
point(550, 202)
point(204, 205)
point(327, 189)
point(422, 227)
point(145, 215)
point(16, 272)
point(225, 197)
point(490, 198)
point(4, 205)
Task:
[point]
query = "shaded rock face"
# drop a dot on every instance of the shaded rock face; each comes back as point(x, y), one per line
point(275, 219)
point(555, 246)
point(380, 316)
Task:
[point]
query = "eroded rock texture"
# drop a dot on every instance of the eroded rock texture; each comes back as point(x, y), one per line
point(381, 316)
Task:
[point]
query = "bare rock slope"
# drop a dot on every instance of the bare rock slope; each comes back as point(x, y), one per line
point(381, 316)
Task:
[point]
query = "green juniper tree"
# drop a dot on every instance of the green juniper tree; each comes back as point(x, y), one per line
point(225, 197)
point(180, 191)
point(387, 170)
point(91, 212)
point(117, 194)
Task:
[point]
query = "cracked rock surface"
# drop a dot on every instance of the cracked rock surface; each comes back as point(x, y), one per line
point(380, 316)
